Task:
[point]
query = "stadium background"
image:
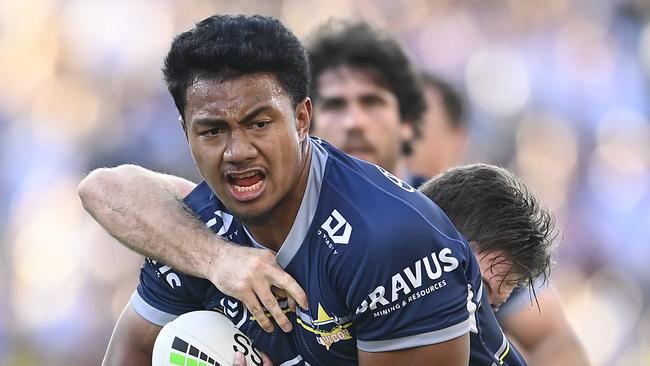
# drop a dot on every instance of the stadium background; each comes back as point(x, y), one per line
point(558, 89)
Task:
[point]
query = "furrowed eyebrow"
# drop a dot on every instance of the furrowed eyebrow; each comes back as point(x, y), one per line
point(212, 122)
point(209, 122)
point(254, 113)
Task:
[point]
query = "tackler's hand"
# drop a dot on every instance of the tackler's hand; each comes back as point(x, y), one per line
point(253, 276)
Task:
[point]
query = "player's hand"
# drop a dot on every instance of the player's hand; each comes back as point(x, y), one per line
point(249, 274)
point(240, 360)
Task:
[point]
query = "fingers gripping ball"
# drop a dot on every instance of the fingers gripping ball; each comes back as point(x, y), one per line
point(202, 338)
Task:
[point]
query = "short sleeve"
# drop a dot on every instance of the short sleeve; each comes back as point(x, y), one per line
point(164, 293)
point(411, 289)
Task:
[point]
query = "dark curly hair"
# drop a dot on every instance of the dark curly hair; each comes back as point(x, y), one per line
point(494, 210)
point(358, 46)
point(229, 46)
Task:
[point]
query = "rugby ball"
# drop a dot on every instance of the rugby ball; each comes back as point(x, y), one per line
point(202, 338)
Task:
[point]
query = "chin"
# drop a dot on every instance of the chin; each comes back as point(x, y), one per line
point(252, 216)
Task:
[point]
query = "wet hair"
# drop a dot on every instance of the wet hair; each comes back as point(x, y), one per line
point(358, 46)
point(494, 210)
point(226, 47)
point(451, 99)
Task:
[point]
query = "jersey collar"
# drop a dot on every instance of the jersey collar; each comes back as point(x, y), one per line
point(307, 209)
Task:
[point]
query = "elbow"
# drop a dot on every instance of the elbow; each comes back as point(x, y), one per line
point(96, 186)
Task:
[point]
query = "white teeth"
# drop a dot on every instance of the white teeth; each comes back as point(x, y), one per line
point(249, 188)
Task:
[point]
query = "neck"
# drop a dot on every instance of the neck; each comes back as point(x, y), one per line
point(273, 231)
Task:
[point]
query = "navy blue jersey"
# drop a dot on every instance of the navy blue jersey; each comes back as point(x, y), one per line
point(383, 268)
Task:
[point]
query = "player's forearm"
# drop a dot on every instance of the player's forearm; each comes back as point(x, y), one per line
point(146, 214)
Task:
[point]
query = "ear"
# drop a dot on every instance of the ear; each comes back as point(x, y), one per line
point(183, 125)
point(303, 118)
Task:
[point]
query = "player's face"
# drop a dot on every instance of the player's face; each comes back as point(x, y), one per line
point(441, 144)
point(360, 117)
point(497, 280)
point(248, 141)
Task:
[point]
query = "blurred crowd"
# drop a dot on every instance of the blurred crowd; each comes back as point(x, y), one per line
point(558, 91)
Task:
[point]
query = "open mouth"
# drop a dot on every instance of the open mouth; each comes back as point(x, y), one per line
point(246, 185)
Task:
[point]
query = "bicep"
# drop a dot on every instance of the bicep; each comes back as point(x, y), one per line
point(454, 352)
point(132, 340)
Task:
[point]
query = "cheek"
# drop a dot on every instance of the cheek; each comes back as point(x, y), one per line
point(206, 158)
point(388, 123)
point(325, 126)
point(281, 150)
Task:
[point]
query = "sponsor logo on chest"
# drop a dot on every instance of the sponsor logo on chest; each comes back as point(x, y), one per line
point(409, 284)
point(336, 230)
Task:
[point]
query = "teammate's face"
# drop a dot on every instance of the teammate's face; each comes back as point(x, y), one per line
point(499, 283)
point(360, 117)
point(441, 144)
point(248, 141)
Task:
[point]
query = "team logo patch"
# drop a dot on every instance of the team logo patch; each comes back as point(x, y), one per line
point(338, 334)
point(328, 329)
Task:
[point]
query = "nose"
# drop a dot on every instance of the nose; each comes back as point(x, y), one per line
point(239, 148)
point(355, 118)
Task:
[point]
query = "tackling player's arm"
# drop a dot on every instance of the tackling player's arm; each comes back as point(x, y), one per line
point(144, 211)
point(132, 340)
point(454, 352)
point(546, 337)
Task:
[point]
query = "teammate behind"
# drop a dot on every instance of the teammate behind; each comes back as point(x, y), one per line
point(533, 316)
point(368, 101)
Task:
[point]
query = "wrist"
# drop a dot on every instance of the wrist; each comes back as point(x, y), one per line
point(218, 249)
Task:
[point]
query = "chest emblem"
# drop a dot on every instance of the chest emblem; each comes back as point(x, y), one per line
point(327, 329)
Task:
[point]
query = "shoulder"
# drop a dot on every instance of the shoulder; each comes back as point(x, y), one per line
point(376, 207)
point(380, 224)
point(200, 198)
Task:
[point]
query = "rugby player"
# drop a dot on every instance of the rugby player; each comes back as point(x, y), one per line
point(532, 316)
point(388, 278)
point(367, 97)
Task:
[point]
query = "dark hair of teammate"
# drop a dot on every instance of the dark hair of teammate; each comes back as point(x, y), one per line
point(229, 46)
point(359, 47)
point(451, 100)
point(494, 210)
